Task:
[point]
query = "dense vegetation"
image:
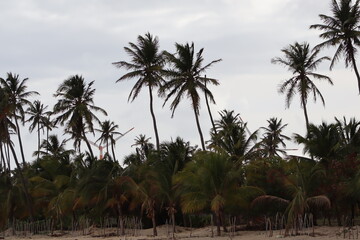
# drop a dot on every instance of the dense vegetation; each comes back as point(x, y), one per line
point(235, 173)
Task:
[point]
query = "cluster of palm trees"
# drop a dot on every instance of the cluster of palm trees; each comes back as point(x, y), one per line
point(235, 173)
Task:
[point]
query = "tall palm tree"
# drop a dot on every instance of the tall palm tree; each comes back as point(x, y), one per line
point(146, 66)
point(186, 80)
point(75, 108)
point(272, 138)
point(18, 94)
point(342, 31)
point(38, 118)
point(302, 62)
point(108, 131)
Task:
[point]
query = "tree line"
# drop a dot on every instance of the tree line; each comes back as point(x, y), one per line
point(235, 173)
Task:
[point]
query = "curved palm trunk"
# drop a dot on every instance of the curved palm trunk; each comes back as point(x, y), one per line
point(208, 108)
point(20, 142)
point(199, 129)
point(355, 69)
point(154, 120)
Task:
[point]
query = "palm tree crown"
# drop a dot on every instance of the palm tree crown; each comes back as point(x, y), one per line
point(146, 66)
point(342, 30)
point(75, 108)
point(302, 62)
point(186, 80)
point(16, 90)
point(273, 137)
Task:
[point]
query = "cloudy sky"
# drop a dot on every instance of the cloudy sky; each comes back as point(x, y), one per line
point(48, 41)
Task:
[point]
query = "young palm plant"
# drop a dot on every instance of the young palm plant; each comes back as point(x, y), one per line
point(341, 30)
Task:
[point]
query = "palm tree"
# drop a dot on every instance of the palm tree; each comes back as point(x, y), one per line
point(342, 30)
point(147, 66)
point(18, 94)
point(186, 80)
point(53, 147)
point(38, 118)
point(7, 109)
point(231, 136)
point(108, 131)
point(272, 138)
point(301, 61)
point(209, 182)
point(75, 108)
point(299, 185)
point(174, 156)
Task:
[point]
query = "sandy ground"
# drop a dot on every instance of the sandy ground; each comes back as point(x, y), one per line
point(199, 234)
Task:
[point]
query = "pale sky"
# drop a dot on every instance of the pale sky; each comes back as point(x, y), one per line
point(48, 41)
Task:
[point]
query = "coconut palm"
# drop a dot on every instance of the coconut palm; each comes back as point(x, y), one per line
point(341, 30)
point(38, 118)
point(322, 142)
point(272, 138)
point(108, 131)
point(210, 181)
point(146, 66)
point(18, 97)
point(350, 135)
point(7, 109)
point(299, 185)
point(53, 147)
point(174, 156)
point(302, 62)
point(231, 136)
point(186, 80)
point(75, 109)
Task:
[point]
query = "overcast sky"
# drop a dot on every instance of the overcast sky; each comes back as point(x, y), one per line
point(48, 41)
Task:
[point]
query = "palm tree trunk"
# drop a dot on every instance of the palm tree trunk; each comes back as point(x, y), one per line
point(112, 150)
point(305, 112)
point(121, 220)
point(153, 219)
point(218, 230)
point(20, 142)
point(154, 120)
point(199, 129)
point(88, 145)
point(355, 69)
point(208, 107)
point(38, 130)
point(173, 223)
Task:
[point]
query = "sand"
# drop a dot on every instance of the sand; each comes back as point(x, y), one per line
point(199, 234)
